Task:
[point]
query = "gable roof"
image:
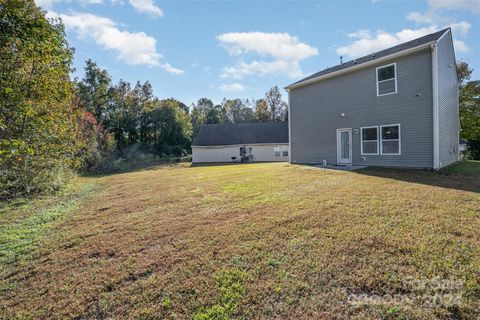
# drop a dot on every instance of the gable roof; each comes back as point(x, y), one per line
point(419, 42)
point(241, 133)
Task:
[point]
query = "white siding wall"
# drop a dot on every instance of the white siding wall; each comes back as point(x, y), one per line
point(225, 153)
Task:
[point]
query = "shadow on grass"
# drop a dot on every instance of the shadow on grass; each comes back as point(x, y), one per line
point(442, 178)
point(221, 164)
point(134, 168)
point(217, 164)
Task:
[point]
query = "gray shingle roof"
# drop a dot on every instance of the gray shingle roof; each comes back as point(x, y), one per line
point(377, 55)
point(241, 133)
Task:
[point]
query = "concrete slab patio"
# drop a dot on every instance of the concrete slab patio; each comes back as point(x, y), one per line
point(335, 167)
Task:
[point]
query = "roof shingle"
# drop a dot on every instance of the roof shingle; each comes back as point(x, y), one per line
point(241, 133)
point(377, 55)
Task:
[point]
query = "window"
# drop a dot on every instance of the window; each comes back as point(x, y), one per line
point(387, 79)
point(369, 140)
point(280, 151)
point(276, 151)
point(390, 139)
point(245, 151)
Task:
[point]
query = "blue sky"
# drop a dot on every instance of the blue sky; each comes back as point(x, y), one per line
point(194, 49)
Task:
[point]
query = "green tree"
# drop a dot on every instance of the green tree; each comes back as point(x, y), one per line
point(38, 119)
point(238, 110)
point(262, 113)
point(172, 129)
point(278, 107)
point(205, 112)
point(118, 112)
point(469, 95)
point(94, 91)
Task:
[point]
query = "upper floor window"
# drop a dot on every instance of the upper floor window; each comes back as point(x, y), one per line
point(387, 79)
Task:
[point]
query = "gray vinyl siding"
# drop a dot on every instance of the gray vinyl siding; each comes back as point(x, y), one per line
point(315, 113)
point(448, 117)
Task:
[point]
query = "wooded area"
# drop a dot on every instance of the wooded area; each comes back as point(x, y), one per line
point(52, 127)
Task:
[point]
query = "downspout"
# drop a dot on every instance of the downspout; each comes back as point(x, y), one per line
point(436, 139)
point(289, 130)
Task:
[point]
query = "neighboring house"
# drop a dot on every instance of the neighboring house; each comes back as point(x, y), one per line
point(397, 107)
point(257, 141)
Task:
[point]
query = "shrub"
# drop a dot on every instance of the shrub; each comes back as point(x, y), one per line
point(99, 146)
point(34, 176)
point(473, 149)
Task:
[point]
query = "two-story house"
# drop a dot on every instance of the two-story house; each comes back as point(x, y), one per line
point(397, 107)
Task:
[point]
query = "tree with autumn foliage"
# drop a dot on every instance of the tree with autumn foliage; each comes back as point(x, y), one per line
point(38, 119)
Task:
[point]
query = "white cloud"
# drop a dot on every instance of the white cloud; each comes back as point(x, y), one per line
point(366, 42)
point(429, 17)
point(284, 52)
point(135, 48)
point(262, 68)
point(278, 45)
point(232, 87)
point(167, 67)
point(468, 5)
point(460, 46)
point(46, 4)
point(462, 27)
point(147, 6)
point(434, 16)
point(142, 6)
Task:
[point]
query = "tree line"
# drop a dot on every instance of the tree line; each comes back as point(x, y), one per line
point(52, 127)
point(128, 117)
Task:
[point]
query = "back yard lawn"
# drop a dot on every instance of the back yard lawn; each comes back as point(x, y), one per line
point(247, 241)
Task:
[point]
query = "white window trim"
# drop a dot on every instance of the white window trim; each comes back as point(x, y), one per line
point(361, 141)
point(281, 150)
point(395, 77)
point(399, 140)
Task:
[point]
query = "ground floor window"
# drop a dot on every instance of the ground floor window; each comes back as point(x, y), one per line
point(246, 151)
point(280, 151)
point(369, 136)
point(390, 139)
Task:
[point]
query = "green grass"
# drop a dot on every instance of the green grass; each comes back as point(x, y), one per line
point(231, 285)
point(468, 167)
point(249, 241)
point(26, 224)
point(19, 237)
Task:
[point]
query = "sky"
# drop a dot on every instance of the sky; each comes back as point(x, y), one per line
point(239, 49)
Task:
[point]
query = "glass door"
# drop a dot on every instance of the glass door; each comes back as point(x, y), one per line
point(344, 146)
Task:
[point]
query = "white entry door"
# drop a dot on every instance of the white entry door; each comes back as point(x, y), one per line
point(344, 146)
